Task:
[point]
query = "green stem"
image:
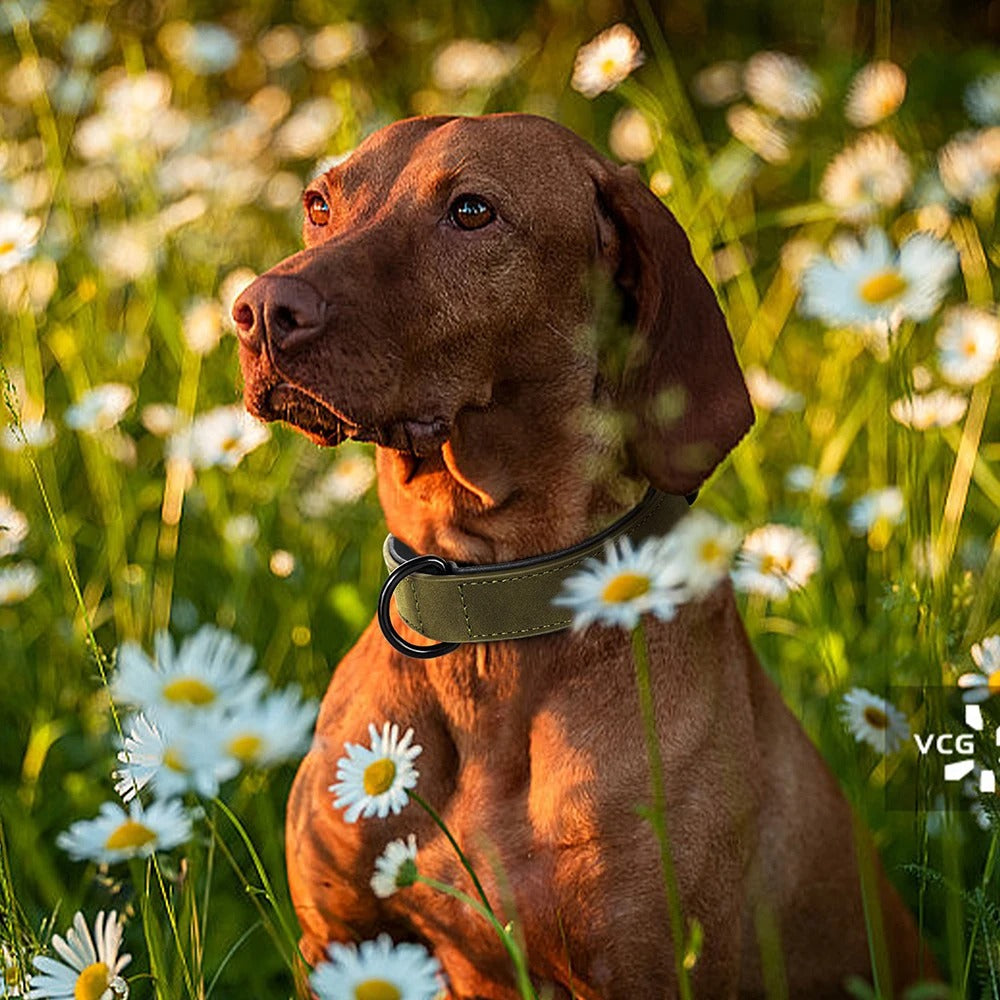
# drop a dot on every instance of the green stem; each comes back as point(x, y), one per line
point(970, 951)
point(524, 984)
point(427, 808)
point(658, 815)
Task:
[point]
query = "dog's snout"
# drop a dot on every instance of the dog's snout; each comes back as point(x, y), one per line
point(280, 311)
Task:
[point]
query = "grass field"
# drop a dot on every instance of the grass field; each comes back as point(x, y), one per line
point(151, 161)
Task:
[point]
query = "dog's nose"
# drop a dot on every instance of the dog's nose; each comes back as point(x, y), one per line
point(282, 311)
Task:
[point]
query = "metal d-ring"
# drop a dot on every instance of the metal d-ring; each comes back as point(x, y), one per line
point(421, 564)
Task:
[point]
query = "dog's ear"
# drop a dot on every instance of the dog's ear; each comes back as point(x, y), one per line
point(677, 383)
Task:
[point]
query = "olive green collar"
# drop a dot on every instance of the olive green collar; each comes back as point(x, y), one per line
point(456, 602)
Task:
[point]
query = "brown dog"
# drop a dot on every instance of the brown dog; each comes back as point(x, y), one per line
point(444, 307)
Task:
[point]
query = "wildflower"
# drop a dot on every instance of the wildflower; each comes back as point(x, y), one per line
point(982, 99)
point(210, 667)
point(100, 408)
point(775, 560)
point(759, 132)
point(968, 345)
point(241, 530)
point(606, 60)
point(221, 437)
point(374, 781)
point(15, 981)
point(718, 84)
point(980, 686)
point(465, 63)
point(872, 285)
point(281, 563)
point(703, 545)
point(142, 754)
point(874, 721)
point(90, 965)
point(782, 84)
point(348, 480)
point(876, 514)
point(335, 44)
point(876, 91)
point(768, 393)
point(631, 137)
point(270, 730)
point(161, 419)
point(202, 326)
point(233, 285)
point(377, 969)
point(13, 527)
point(116, 835)
point(31, 433)
point(18, 235)
point(395, 867)
point(127, 251)
point(872, 174)
point(804, 479)
point(934, 409)
point(205, 49)
point(969, 165)
point(628, 583)
point(18, 583)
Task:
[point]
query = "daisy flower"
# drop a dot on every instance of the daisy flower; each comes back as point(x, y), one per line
point(718, 84)
point(374, 781)
point(13, 527)
point(876, 514)
point(606, 60)
point(18, 583)
point(782, 84)
point(969, 164)
point(759, 132)
point(775, 560)
point(874, 721)
point(377, 969)
point(805, 479)
point(349, 480)
point(968, 345)
point(18, 235)
point(980, 686)
point(221, 437)
point(933, 409)
point(982, 99)
point(31, 434)
point(870, 284)
point(395, 867)
point(628, 583)
point(210, 666)
point(872, 174)
point(89, 969)
point(202, 327)
point(266, 732)
point(116, 835)
point(876, 91)
point(100, 408)
point(703, 545)
point(768, 393)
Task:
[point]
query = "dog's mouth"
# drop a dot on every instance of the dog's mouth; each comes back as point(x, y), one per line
point(327, 427)
point(319, 422)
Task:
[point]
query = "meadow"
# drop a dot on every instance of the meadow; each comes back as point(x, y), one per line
point(839, 187)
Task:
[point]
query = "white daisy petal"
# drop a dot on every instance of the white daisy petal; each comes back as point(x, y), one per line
point(874, 721)
point(408, 970)
point(775, 560)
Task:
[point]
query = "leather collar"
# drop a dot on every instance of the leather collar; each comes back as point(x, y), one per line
point(456, 603)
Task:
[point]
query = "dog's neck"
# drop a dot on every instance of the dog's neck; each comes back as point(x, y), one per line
point(518, 478)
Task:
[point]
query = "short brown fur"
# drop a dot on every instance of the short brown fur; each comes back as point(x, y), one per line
point(507, 428)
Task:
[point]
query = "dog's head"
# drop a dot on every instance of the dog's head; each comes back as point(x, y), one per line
point(450, 259)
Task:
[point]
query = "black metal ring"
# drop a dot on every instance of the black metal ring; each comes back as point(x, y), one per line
point(426, 564)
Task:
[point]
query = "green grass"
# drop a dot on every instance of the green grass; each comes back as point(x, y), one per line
point(117, 562)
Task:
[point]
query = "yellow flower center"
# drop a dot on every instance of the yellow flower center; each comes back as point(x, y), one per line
point(993, 681)
point(246, 748)
point(625, 587)
point(229, 444)
point(173, 760)
point(775, 565)
point(883, 287)
point(608, 66)
point(129, 834)
point(6, 247)
point(970, 348)
point(11, 976)
point(379, 776)
point(92, 982)
point(189, 691)
point(376, 989)
point(711, 552)
point(876, 718)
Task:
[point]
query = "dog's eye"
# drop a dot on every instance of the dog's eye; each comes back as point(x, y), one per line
point(469, 211)
point(317, 209)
